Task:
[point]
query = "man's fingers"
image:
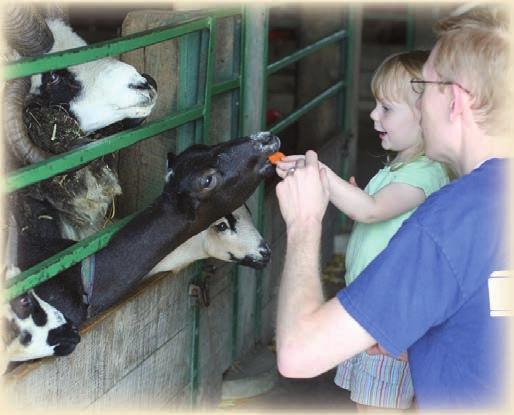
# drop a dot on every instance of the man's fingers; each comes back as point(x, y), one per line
point(324, 179)
point(311, 158)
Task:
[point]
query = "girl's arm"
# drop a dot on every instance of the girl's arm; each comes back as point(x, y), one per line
point(393, 200)
point(390, 201)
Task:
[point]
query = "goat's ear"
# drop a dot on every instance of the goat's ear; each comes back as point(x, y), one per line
point(169, 167)
point(171, 159)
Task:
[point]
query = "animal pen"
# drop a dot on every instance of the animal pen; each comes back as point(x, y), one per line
point(169, 343)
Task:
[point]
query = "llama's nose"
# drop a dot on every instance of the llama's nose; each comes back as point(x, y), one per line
point(264, 251)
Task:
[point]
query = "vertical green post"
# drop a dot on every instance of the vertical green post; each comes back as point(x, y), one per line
point(346, 101)
point(239, 43)
point(254, 102)
point(205, 72)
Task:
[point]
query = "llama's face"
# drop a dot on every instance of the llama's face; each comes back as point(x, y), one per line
point(32, 328)
point(211, 181)
point(234, 238)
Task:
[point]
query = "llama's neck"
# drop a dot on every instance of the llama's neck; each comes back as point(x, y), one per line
point(190, 251)
point(135, 250)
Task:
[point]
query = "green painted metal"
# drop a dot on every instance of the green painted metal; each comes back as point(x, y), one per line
point(294, 116)
point(347, 100)
point(207, 108)
point(59, 164)
point(299, 54)
point(207, 70)
point(59, 60)
point(238, 125)
point(225, 86)
point(65, 259)
point(259, 275)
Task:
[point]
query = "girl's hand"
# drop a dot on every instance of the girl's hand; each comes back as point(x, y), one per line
point(286, 163)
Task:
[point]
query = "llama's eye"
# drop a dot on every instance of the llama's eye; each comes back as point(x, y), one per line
point(221, 227)
point(53, 78)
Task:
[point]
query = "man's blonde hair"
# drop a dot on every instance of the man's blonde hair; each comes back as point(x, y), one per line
point(473, 50)
point(391, 80)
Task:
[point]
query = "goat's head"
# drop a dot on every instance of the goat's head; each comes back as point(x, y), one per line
point(97, 93)
point(32, 328)
point(211, 181)
point(234, 238)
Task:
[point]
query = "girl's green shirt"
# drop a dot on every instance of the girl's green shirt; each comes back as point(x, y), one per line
point(368, 240)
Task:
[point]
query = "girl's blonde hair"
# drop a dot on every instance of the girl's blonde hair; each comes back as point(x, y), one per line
point(480, 63)
point(391, 82)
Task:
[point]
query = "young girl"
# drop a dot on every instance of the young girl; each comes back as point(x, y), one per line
point(375, 378)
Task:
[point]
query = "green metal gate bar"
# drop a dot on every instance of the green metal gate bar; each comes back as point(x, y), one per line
point(195, 341)
point(59, 60)
point(299, 54)
point(295, 115)
point(54, 265)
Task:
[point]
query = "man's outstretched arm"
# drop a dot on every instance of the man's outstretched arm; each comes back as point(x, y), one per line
point(312, 336)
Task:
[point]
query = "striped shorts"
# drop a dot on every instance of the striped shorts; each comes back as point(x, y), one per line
point(376, 380)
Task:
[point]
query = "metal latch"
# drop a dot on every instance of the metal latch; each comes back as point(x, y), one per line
point(199, 288)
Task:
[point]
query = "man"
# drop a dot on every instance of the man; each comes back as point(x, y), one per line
point(427, 291)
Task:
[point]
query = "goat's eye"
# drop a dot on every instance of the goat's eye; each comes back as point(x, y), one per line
point(54, 78)
point(25, 301)
point(207, 182)
point(221, 227)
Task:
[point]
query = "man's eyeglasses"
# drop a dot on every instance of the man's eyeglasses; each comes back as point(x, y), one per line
point(418, 85)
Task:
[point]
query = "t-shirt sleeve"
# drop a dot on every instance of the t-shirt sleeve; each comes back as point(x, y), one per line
point(404, 291)
point(425, 174)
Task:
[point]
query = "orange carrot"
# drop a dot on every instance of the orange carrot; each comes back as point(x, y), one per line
point(276, 157)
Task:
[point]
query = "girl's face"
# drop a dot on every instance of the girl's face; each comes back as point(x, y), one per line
point(398, 125)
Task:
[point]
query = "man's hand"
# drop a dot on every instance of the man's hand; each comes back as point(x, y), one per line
point(303, 195)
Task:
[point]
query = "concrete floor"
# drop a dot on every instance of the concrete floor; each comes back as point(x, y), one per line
point(315, 395)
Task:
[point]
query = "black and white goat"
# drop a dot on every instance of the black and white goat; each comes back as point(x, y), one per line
point(207, 182)
point(96, 94)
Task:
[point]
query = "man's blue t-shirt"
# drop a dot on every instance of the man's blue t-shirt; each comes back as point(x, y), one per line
point(427, 292)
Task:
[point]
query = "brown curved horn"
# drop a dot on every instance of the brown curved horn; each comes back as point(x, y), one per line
point(26, 30)
point(15, 132)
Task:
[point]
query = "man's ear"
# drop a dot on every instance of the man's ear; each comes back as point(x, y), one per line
point(456, 104)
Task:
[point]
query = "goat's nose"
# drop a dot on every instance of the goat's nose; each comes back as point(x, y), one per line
point(150, 80)
point(264, 251)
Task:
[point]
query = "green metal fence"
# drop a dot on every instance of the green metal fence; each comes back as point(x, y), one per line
point(192, 121)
